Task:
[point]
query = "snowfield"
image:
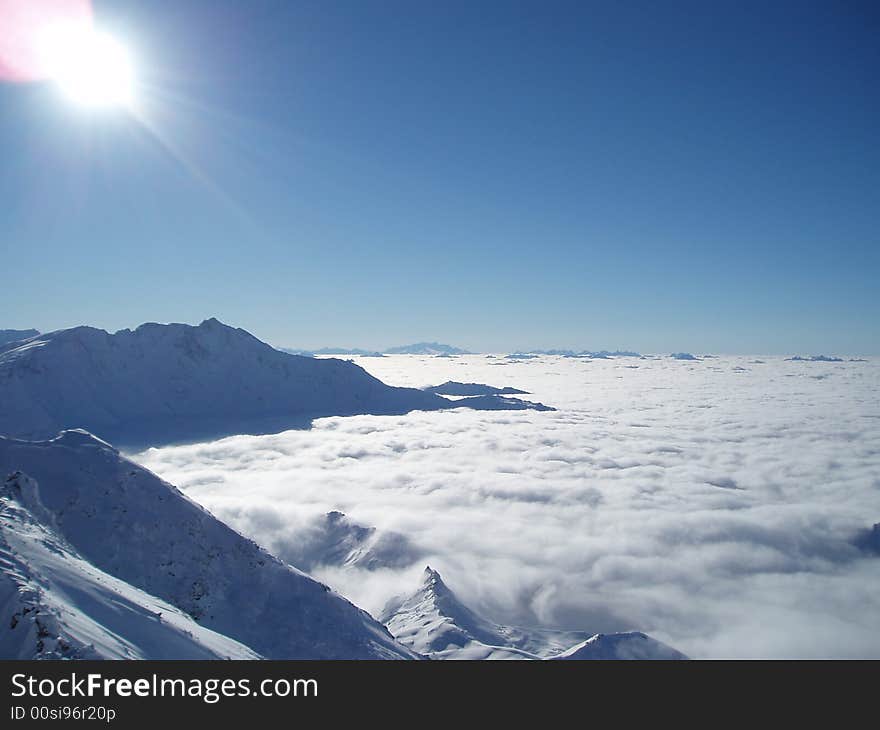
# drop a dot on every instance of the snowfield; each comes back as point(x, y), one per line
point(719, 504)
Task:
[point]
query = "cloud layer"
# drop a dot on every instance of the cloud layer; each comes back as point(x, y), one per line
point(712, 504)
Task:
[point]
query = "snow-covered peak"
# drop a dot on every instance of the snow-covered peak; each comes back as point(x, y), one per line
point(433, 621)
point(336, 540)
point(431, 578)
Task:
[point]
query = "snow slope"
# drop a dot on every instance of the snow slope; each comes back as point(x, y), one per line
point(127, 522)
point(55, 605)
point(168, 383)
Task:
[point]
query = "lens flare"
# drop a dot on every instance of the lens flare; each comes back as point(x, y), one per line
point(22, 25)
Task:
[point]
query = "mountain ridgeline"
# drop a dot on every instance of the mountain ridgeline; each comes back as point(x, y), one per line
point(162, 384)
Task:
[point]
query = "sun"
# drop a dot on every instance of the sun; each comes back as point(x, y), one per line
point(90, 67)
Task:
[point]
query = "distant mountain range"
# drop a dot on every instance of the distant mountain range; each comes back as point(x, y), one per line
point(815, 358)
point(419, 348)
point(426, 348)
point(439, 349)
point(175, 383)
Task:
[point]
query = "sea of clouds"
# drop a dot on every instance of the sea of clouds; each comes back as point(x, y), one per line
point(713, 504)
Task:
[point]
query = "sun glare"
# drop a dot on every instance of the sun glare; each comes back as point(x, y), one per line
point(90, 67)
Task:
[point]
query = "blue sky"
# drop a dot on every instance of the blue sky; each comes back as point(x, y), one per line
point(498, 175)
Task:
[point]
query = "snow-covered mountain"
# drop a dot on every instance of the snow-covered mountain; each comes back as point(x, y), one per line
point(56, 605)
point(7, 336)
point(167, 383)
point(335, 540)
point(99, 507)
point(426, 348)
point(434, 622)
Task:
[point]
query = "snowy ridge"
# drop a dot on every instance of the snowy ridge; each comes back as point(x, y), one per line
point(128, 523)
point(167, 383)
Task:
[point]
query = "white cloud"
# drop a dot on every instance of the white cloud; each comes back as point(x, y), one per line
point(710, 506)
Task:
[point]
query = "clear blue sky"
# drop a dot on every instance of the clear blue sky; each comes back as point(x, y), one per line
point(699, 176)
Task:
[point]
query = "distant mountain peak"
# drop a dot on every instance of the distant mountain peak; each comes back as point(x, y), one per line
point(426, 348)
point(334, 539)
